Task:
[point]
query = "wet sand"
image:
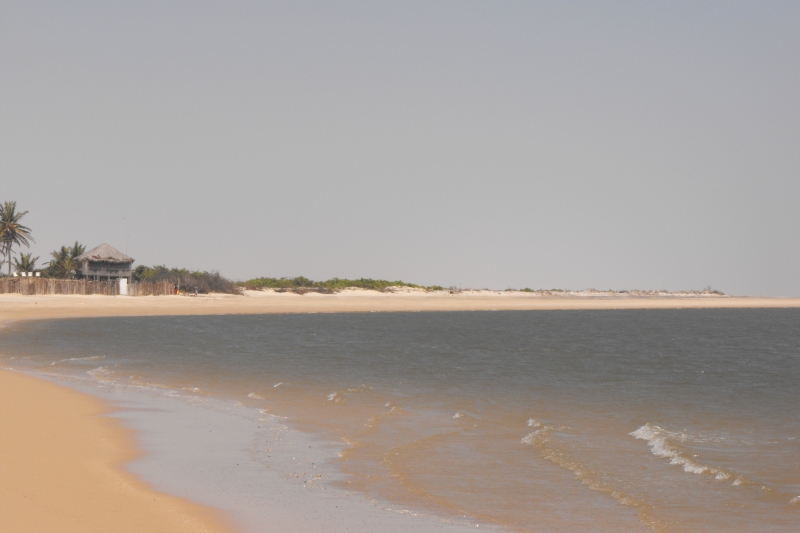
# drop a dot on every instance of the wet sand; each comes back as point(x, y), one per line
point(61, 468)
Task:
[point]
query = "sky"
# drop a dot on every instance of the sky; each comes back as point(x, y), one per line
point(606, 145)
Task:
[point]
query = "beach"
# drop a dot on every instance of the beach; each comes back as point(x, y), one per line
point(61, 468)
point(15, 307)
point(337, 440)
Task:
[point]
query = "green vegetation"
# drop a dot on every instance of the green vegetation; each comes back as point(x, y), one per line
point(12, 232)
point(25, 263)
point(63, 264)
point(186, 280)
point(302, 284)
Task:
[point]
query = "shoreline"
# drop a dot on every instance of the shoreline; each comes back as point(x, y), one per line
point(17, 307)
point(178, 458)
point(20, 308)
point(63, 468)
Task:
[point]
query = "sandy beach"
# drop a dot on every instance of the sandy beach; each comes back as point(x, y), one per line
point(15, 307)
point(61, 468)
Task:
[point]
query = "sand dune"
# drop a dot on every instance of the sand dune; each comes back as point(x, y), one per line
point(15, 307)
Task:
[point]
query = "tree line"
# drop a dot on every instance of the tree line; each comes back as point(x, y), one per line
point(185, 280)
point(13, 233)
point(63, 264)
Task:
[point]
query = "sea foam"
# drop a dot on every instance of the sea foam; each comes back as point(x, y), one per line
point(664, 443)
point(92, 358)
point(100, 372)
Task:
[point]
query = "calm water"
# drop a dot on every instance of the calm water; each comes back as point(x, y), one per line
point(657, 420)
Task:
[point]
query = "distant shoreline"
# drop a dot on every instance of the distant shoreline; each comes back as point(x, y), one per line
point(17, 307)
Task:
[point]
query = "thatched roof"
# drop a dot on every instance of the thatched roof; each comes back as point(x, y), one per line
point(105, 253)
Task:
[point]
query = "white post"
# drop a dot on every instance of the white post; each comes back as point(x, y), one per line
point(123, 286)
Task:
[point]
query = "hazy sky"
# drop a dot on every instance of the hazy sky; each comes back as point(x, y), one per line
point(483, 144)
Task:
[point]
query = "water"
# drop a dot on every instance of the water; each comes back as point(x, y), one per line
point(654, 420)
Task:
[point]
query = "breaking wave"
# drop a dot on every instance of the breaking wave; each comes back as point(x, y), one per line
point(101, 373)
point(339, 396)
point(666, 444)
point(548, 449)
point(92, 358)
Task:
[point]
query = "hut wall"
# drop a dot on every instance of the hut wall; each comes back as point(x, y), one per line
point(105, 269)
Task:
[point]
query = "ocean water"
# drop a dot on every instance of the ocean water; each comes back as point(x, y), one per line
point(630, 420)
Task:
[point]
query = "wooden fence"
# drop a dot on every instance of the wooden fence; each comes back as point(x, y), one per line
point(42, 286)
point(157, 288)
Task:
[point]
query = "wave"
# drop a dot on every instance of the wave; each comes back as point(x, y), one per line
point(667, 444)
point(101, 372)
point(595, 480)
point(92, 358)
point(530, 438)
point(375, 420)
point(255, 396)
point(339, 396)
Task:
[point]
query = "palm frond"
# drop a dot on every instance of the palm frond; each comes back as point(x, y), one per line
point(12, 231)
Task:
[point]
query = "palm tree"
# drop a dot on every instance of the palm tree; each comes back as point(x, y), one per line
point(11, 231)
point(69, 266)
point(25, 263)
point(63, 263)
point(54, 266)
point(76, 250)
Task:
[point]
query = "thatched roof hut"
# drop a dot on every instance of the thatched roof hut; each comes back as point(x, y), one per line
point(105, 261)
point(105, 253)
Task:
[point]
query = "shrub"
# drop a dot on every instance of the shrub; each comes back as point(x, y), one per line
point(189, 281)
point(302, 285)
